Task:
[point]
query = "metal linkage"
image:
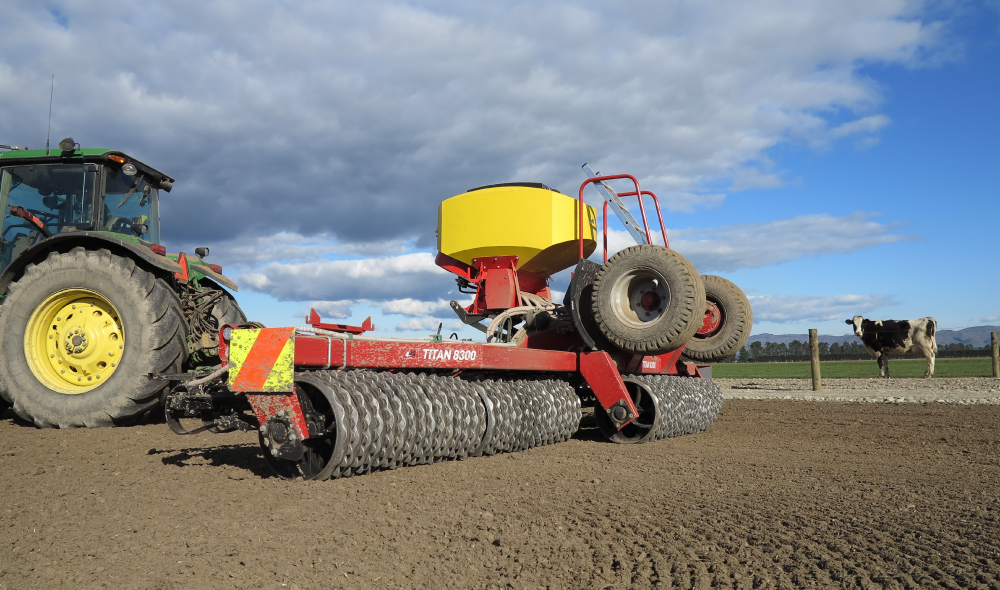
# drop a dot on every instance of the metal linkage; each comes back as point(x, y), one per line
point(209, 403)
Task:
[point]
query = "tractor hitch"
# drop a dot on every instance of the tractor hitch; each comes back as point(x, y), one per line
point(212, 404)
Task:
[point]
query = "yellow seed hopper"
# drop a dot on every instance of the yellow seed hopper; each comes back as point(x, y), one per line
point(531, 221)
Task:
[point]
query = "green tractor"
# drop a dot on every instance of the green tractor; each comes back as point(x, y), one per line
point(92, 308)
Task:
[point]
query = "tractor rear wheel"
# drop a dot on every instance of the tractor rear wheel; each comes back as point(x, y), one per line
point(81, 333)
point(727, 325)
point(648, 300)
point(227, 311)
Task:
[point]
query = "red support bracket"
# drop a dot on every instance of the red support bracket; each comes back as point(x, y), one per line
point(454, 266)
point(313, 320)
point(268, 405)
point(498, 283)
point(606, 382)
point(497, 280)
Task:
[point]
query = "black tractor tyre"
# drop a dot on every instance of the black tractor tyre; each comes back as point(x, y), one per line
point(735, 322)
point(80, 333)
point(648, 300)
point(227, 311)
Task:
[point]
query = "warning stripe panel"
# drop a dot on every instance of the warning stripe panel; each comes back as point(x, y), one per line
point(239, 346)
point(262, 360)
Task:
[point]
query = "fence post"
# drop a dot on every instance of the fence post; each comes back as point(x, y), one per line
point(996, 355)
point(814, 355)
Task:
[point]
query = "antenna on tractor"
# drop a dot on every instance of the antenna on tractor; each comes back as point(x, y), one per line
point(48, 132)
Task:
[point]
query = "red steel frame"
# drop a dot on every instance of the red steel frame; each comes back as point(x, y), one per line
point(326, 352)
point(600, 370)
point(497, 283)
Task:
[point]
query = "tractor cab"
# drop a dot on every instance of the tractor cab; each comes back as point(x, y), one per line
point(48, 192)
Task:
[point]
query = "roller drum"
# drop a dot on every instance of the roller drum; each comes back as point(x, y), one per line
point(684, 405)
point(389, 420)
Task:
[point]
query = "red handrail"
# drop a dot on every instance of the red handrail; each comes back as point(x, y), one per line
point(663, 230)
point(659, 216)
point(642, 210)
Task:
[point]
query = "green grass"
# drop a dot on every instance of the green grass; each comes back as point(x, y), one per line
point(902, 368)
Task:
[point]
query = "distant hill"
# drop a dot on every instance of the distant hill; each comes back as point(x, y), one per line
point(978, 337)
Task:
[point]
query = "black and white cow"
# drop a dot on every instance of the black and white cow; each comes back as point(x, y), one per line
point(882, 337)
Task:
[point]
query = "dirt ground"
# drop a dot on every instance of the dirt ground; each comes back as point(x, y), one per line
point(777, 494)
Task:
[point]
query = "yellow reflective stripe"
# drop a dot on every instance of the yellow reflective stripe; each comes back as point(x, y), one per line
point(239, 347)
point(282, 374)
point(262, 360)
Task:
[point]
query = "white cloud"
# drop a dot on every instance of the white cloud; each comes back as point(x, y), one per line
point(864, 125)
point(428, 325)
point(351, 121)
point(795, 308)
point(755, 245)
point(377, 279)
point(729, 248)
point(863, 129)
point(304, 133)
point(338, 310)
point(866, 143)
point(249, 251)
point(413, 307)
point(256, 250)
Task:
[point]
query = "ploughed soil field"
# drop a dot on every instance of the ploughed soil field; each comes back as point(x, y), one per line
point(779, 493)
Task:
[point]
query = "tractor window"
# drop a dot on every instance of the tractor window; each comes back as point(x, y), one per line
point(130, 202)
point(60, 196)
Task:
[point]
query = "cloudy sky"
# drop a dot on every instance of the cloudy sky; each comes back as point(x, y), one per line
point(830, 158)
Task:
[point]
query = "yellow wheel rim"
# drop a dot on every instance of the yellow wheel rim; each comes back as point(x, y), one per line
point(74, 341)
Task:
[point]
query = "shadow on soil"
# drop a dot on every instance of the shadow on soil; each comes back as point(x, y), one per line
point(243, 456)
point(588, 430)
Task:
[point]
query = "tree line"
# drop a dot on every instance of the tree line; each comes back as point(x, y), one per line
point(772, 352)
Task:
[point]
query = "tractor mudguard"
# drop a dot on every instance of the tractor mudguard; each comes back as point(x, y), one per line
point(95, 240)
point(211, 274)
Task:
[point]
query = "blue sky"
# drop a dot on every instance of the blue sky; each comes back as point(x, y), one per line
point(831, 159)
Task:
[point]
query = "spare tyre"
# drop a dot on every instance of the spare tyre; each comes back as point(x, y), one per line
point(648, 300)
point(727, 324)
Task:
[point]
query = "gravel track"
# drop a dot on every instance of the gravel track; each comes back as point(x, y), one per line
point(966, 391)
